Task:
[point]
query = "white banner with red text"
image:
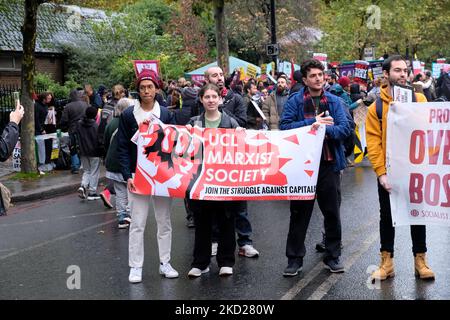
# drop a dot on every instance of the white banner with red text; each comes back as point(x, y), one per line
point(418, 163)
point(227, 164)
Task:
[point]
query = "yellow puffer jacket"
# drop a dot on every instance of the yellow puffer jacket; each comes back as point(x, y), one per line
point(376, 138)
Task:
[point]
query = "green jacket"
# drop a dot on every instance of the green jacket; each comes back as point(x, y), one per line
point(111, 144)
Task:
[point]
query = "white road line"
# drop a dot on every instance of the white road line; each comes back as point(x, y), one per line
point(323, 289)
point(56, 219)
point(56, 239)
point(300, 285)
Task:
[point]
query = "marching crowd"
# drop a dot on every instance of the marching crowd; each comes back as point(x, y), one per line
point(101, 124)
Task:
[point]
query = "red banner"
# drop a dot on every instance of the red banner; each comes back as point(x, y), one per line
point(226, 164)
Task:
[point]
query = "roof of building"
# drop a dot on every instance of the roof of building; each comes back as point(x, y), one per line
point(56, 25)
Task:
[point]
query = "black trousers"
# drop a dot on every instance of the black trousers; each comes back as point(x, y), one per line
point(328, 197)
point(203, 217)
point(387, 231)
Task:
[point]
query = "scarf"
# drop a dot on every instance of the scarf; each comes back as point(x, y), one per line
point(310, 110)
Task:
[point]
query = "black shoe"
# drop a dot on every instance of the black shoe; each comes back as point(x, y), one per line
point(93, 196)
point(334, 265)
point(293, 268)
point(320, 246)
point(190, 222)
point(75, 171)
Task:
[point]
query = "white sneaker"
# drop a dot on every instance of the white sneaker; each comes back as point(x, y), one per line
point(135, 275)
point(248, 251)
point(214, 246)
point(196, 272)
point(82, 192)
point(167, 271)
point(226, 271)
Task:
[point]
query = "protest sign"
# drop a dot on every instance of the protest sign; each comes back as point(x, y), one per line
point(418, 163)
point(228, 164)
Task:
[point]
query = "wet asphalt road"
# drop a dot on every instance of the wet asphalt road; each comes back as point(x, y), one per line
point(40, 240)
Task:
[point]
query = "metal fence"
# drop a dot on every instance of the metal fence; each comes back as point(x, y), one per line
point(7, 101)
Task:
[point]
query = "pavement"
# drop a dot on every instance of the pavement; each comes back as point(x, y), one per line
point(49, 185)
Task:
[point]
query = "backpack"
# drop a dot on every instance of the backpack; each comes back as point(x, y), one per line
point(64, 159)
point(350, 141)
point(379, 108)
point(444, 88)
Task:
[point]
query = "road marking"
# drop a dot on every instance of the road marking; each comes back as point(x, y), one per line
point(323, 289)
point(302, 283)
point(56, 219)
point(42, 244)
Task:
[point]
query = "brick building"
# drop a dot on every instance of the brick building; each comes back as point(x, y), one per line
point(57, 25)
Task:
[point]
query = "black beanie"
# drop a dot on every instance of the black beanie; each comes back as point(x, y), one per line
point(91, 112)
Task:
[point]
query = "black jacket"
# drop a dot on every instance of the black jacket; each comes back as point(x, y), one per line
point(226, 121)
point(73, 112)
point(233, 105)
point(87, 138)
point(110, 143)
point(127, 150)
point(8, 140)
point(40, 113)
point(231, 207)
point(183, 114)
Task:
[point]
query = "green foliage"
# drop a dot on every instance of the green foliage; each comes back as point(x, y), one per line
point(154, 10)
point(26, 176)
point(134, 34)
point(419, 27)
point(43, 80)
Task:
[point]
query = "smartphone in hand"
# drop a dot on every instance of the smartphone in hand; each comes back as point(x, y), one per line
point(16, 96)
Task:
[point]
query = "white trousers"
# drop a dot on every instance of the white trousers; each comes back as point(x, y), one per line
point(140, 206)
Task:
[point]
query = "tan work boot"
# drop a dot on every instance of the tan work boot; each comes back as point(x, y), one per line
point(422, 270)
point(386, 268)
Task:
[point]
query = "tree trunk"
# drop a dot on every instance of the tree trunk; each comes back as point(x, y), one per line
point(28, 157)
point(221, 35)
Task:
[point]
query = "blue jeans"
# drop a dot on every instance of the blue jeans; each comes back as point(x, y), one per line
point(242, 225)
point(75, 162)
point(75, 159)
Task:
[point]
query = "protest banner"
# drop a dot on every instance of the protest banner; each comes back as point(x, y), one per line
point(140, 65)
point(251, 71)
point(418, 163)
point(346, 70)
point(322, 57)
point(263, 68)
point(417, 67)
point(361, 72)
point(227, 164)
point(16, 154)
point(436, 68)
point(198, 78)
point(377, 69)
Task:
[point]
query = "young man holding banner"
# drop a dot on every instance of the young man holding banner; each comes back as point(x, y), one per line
point(395, 71)
point(148, 85)
point(312, 106)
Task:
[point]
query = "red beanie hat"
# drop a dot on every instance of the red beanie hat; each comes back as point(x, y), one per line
point(148, 74)
point(344, 81)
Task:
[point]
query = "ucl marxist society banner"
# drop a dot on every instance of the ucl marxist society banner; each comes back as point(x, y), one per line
point(418, 163)
point(227, 164)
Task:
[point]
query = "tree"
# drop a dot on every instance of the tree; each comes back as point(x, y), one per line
point(408, 27)
point(29, 33)
point(28, 158)
point(221, 35)
point(187, 25)
point(249, 28)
